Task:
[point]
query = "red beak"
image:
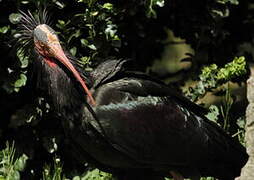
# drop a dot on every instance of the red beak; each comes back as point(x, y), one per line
point(58, 53)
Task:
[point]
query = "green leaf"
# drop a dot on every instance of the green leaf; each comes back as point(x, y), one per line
point(73, 51)
point(84, 42)
point(76, 35)
point(21, 81)
point(21, 163)
point(76, 178)
point(213, 114)
point(60, 5)
point(212, 76)
point(4, 29)
point(94, 13)
point(24, 60)
point(84, 60)
point(107, 6)
point(241, 122)
point(92, 46)
point(13, 175)
point(97, 175)
point(14, 18)
point(151, 4)
point(61, 22)
point(24, 2)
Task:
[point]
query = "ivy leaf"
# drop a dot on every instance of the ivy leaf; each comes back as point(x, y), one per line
point(241, 122)
point(84, 60)
point(92, 46)
point(20, 82)
point(97, 175)
point(73, 51)
point(14, 18)
point(213, 114)
point(107, 6)
point(4, 29)
point(84, 42)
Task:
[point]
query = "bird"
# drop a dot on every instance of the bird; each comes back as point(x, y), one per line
point(126, 122)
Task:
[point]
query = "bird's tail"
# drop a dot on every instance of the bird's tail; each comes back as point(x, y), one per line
point(227, 155)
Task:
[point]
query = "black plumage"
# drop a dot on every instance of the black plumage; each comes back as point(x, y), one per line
point(139, 127)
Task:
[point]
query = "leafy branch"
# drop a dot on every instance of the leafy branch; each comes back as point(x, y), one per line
point(212, 76)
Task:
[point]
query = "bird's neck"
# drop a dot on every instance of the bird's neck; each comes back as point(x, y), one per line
point(60, 89)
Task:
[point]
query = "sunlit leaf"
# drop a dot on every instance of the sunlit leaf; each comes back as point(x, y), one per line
point(60, 4)
point(241, 122)
point(61, 22)
point(24, 2)
point(4, 29)
point(94, 13)
point(73, 51)
point(92, 46)
point(213, 114)
point(107, 6)
point(14, 18)
point(84, 42)
point(21, 81)
point(96, 174)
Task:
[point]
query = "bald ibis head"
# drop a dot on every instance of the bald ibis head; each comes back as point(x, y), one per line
point(47, 45)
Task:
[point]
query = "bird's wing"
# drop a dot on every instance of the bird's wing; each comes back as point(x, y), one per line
point(114, 69)
point(105, 71)
point(142, 121)
point(149, 123)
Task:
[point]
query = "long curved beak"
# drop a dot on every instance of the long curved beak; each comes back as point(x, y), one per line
point(58, 53)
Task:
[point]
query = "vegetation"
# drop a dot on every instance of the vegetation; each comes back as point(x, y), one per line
point(219, 32)
point(10, 167)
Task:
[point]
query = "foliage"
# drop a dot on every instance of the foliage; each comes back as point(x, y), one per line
point(241, 121)
point(213, 113)
point(151, 5)
point(10, 166)
point(223, 110)
point(96, 26)
point(96, 175)
point(211, 76)
point(54, 173)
